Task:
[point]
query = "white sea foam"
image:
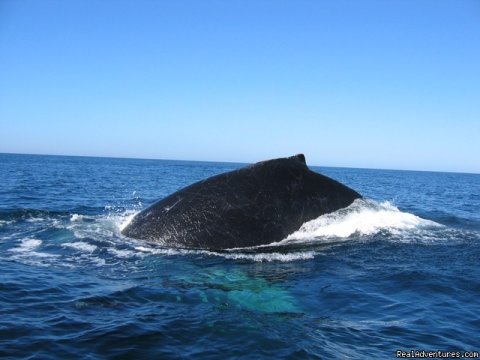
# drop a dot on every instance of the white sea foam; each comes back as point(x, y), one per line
point(27, 245)
point(166, 251)
point(27, 252)
point(6, 222)
point(363, 217)
point(35, 219)
point(98, 261)
point(122, 253)
point(257, 257)
point(81, 246)
point(269, 257)
point(76, 217)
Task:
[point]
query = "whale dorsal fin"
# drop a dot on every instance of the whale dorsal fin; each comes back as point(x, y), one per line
point(300, 158)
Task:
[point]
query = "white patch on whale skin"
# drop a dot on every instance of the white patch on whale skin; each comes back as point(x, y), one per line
point(168, 208)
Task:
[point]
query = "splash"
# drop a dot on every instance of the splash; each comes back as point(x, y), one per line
point(362, 217)
point(124, 219)
point(76, 217)
point(75, 239)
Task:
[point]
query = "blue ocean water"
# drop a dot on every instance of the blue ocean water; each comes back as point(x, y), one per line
point(397, 271)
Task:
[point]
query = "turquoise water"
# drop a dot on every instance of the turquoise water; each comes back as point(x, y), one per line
point(397, 271)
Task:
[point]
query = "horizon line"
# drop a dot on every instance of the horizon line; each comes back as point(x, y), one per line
point(235, 162)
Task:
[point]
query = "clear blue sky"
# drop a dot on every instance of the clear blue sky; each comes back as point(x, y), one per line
point(357, 83)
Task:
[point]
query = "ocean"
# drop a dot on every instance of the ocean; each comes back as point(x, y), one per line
point(397, 271)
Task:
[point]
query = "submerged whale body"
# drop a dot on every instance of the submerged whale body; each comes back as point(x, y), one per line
point(255, 205)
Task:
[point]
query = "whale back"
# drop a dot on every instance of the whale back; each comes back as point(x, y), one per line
point(255, 205)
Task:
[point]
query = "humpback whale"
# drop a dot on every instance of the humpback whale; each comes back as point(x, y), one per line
point(255, 205)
